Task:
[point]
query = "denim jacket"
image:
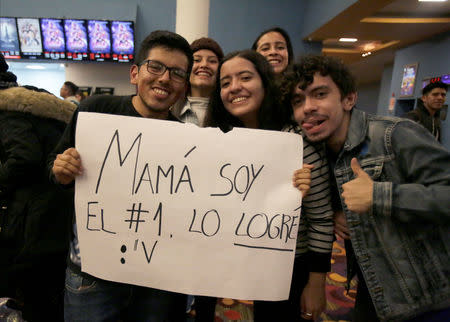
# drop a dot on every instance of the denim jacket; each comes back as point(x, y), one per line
point(402, 245)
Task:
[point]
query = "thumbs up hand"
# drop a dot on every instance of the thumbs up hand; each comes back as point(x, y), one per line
point(358, 193)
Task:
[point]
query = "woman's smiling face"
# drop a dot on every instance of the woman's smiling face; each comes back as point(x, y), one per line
point(241, 90)
point(273, 47)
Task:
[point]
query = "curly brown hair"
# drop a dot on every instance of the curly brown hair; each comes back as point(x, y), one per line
point(302, 74)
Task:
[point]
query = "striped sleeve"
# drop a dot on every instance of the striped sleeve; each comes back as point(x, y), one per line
point(315, 234)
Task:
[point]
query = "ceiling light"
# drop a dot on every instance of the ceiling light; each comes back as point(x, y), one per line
point(348, 39)
point(368, 47)
point(34, 67)
point(367, 54)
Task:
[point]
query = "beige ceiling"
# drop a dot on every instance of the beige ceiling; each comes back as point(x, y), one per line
point(381, 27)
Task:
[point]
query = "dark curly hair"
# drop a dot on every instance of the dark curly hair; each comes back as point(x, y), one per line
point(272, 115)
point(303, 72)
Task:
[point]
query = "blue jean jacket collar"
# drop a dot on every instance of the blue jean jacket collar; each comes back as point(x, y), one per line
point(357, 129)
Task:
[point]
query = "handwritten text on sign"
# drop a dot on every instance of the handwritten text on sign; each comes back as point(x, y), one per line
point(190, 210)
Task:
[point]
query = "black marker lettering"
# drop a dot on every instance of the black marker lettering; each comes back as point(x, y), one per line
point(149, 258)
point(293, 224)
point(246, 181)
point(218, 223)
point(284, 224)
point(192, 224)
point(89, 214)
point(239, 225)
point(169, 171)
point(103, 225)
point(231, 182)
point(146, 172)
point(121, 161)
point(185, 170)
point(138, 219)
point(277, 229)
point(158, 216)
point(250, 223)
point(253, 180)
point(266, 248)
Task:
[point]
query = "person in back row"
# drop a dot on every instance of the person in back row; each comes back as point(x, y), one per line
point(429, 107)
point(207, 55)
point(392, 182)
point(35, 214)
point(161, 73)
point(275, 45)
point(192, 109)
point(246, 96)
point(68, 92)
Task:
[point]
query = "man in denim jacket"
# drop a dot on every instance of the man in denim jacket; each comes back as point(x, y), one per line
point(392, 195)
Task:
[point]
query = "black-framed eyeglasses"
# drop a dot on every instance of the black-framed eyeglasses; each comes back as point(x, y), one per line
point(155, 67)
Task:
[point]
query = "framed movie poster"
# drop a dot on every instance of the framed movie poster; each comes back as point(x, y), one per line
point(53, 38)
point(122, 41)
point(408, 80)
point(9, 41)
point(30, 37)
point(99, 36)
point(76, 39)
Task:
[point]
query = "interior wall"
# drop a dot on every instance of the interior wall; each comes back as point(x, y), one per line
point(368, 97)
point(101, 75)
point(50, 79)
point(235, 24)
point(385, 87)
point(153, 15)
point(87, 9)
point(320, 12)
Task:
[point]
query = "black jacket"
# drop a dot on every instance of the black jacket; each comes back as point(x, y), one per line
point(34, 213)
point(423, 117)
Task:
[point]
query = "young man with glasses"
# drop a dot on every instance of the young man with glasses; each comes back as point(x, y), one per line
point(161, 75)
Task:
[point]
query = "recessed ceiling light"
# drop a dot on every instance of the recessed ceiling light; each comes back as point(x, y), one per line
point(367, 54)
point(34, 67)
point(348, 39)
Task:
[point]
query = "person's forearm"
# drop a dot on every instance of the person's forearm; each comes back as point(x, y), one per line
point(317, 279)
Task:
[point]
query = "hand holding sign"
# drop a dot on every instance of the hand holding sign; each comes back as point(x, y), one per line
point(302, 179)
point(67, 166)
point(358, 193)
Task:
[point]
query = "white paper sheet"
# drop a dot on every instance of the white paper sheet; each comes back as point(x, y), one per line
point(191, 210)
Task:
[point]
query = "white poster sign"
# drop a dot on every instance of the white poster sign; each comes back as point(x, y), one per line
point(180, 208)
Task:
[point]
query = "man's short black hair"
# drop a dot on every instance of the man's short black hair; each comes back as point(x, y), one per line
point(432, 86)
point(71, 87)
point(303, 72)
point(168, 40)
